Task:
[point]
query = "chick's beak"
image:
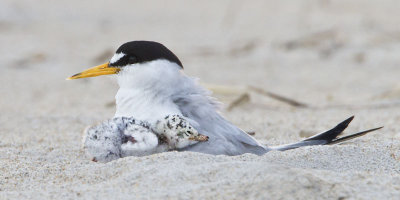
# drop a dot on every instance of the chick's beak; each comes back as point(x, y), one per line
point(103, 69)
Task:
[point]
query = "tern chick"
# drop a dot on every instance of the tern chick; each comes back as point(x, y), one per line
point(178, 132)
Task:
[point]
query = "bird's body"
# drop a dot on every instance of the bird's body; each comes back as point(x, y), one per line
point(159, 88)
point(153, 85)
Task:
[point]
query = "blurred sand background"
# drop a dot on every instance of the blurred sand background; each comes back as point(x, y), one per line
point(339, 57)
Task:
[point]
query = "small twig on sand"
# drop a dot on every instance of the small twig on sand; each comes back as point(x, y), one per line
point(242, 99)
point(278, 97)
point(251, 132)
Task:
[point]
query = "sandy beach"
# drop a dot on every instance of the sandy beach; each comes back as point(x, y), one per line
point(340, 58)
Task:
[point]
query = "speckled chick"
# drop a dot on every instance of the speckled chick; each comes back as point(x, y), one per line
point(177, 132)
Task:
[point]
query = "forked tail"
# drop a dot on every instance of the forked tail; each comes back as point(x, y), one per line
point(325, 138)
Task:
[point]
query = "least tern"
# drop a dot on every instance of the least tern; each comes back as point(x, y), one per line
point(153, 85)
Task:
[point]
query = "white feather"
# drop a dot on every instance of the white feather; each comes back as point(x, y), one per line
point(116, 57)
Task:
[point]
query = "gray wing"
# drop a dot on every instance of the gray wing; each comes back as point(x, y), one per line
point(224, 137)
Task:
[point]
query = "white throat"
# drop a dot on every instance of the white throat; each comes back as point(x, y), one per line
point(146, 90)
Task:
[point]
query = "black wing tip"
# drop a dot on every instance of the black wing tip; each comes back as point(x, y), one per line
point(347, 121)
point(373, 129)
point(350, 118)
point(331, 134)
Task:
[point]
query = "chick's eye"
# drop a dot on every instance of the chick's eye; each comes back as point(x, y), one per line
point(132, 59)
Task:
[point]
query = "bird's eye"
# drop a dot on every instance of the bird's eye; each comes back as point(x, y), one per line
point(132, 59)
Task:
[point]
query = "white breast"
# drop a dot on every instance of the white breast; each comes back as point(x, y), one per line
point(143, 106)
point(146, 89)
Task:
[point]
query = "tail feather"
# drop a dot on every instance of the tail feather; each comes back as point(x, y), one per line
point(326, 138)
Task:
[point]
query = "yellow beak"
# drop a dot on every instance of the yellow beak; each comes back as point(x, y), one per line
point(103, 69)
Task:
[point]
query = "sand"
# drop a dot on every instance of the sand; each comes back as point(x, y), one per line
point(341, 58)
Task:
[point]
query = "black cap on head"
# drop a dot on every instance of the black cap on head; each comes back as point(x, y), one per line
point(144, 51)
